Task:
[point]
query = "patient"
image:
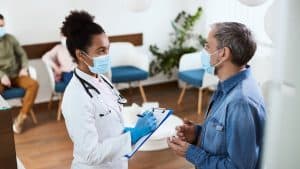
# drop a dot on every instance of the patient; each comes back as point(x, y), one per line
point(14, 73)
point(60, 61)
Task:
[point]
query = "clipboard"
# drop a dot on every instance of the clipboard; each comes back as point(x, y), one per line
point(161, 115)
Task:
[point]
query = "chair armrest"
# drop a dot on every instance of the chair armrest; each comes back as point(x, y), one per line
point(190, 61)
point(141, 61)
point(50, 74)
point(32, 72)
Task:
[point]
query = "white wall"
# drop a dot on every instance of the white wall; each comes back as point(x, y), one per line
point(282, 134)
point(34, 21)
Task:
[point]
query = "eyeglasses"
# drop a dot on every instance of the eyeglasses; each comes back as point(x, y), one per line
point(206, 46)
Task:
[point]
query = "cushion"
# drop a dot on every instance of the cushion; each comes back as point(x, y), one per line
point(127, 74)
point(12, 93)
point(193, 77)
point(60, 87)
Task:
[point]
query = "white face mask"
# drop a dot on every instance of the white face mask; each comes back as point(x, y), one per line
point(2, 31)
point(101, 64)
point(206, 59)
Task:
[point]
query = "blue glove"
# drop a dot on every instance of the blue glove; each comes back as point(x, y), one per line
point(144, 126)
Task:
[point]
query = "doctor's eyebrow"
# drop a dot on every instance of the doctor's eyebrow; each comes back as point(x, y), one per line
point(102, 48)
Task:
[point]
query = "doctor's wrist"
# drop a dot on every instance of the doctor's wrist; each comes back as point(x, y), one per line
point(134, 134)
point(126, 129)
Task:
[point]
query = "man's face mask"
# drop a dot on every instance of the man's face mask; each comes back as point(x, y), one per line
point(101, 64)
point(206, 59)
point(2, 31)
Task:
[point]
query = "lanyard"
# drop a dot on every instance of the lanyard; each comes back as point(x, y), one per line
point(88, 86)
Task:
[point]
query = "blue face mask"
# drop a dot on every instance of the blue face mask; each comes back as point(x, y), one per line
point(205, 60)
point(101, 64)
point(2, 32)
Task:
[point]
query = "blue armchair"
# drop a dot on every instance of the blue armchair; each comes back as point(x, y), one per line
point(57, 88)
point(192, 73)
point(18, 93)
point(128, 65)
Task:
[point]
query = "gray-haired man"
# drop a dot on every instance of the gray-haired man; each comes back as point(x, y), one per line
point(232, 134)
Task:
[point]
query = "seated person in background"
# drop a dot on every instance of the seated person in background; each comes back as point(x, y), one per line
point(14, 73)
point(60, 61)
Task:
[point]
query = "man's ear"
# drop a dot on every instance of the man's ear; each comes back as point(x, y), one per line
point(225, 53)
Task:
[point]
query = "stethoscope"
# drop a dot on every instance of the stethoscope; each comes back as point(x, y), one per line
point(88, 86)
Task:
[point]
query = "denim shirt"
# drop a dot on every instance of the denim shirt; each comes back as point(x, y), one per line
point(231, 136)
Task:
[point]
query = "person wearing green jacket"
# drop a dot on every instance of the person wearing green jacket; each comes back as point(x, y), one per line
point(14, 73)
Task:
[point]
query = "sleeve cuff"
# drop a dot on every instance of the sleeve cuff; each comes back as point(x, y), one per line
point(197, 133)
point(198, 130)
point(193, 154)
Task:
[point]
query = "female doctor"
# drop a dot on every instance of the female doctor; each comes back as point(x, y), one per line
point(91, 105)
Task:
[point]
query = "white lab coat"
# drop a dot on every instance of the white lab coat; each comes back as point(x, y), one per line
point(99, 142)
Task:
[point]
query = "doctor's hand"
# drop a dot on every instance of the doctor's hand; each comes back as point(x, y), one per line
point(144, 126)
point(178, 146)
point(187, 131)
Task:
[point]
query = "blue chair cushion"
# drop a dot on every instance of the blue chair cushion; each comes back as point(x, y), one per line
point(60, 87)
point(193, 77)
point(12, 93)
point(127, 74)
point(62, 84)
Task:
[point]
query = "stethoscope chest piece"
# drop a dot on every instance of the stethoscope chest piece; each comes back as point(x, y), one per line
point(122, 100)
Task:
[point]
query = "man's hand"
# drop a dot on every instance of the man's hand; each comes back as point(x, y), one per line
point(179, 147)
point(57, 71)
point(187, 131)
point(5, 81)
point(23, 72)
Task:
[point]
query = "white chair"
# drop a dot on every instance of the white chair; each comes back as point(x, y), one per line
point(18, 93)
point(128, 65)
point(191, 73)
point(57, 90)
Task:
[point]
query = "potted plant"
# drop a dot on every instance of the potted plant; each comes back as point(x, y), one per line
point(165, 61)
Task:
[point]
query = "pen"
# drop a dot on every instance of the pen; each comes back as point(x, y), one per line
point(140, 115)
point(162, 109)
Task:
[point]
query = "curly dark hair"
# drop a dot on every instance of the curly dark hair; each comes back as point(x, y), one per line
point(79, 28)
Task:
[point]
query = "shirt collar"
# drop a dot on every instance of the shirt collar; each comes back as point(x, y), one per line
point(229, 83)
point(86, 76)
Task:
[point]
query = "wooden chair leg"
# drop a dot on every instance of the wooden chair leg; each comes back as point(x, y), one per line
point(200, 102)
point(32, 113)
point(142, 92)
point(182, 94)
point(33, 116)
point(59, 107)
point(51, 100)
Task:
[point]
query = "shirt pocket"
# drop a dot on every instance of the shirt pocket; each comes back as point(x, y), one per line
point(214, 139)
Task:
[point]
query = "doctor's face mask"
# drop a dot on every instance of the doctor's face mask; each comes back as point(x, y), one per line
point(101, 63)
point(98, 53)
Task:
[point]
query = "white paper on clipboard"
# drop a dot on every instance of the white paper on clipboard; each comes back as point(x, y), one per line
point(161, 115)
